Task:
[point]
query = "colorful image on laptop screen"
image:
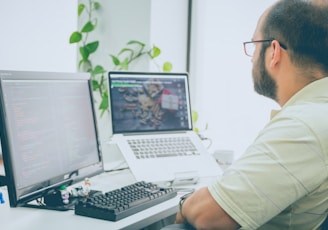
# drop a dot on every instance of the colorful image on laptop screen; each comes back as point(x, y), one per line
point(148, 103)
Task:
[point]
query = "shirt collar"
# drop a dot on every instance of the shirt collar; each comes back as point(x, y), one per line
point(311, 92)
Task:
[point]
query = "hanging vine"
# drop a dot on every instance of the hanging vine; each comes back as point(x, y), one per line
point(121, 61)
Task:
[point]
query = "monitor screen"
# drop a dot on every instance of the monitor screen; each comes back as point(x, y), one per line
point(48, 132)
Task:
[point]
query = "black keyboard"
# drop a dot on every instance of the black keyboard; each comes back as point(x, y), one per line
point(120, 203)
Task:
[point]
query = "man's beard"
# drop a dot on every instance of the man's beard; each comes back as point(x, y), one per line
point(263, 81)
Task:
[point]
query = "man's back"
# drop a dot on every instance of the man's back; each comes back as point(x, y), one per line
point(294, 146)
point(302, 155)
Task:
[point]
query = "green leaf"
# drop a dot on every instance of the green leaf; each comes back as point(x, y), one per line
point(104, 101)
point(80, 9)
point(88, 27)
point(167, 66)
point(96, 5)
point(115, 60)
point(125, 64)
point(98, 70)
point(155, 52)
point(75, 37)
point(95, 85)
point(196, 130)
point(85, 66)
point(194, 116)
point(84, 53)
point(92, 46)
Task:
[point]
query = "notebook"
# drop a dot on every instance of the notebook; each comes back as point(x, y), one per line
point(149, 107)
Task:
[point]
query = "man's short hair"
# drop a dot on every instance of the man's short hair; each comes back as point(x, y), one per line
point(302, 26)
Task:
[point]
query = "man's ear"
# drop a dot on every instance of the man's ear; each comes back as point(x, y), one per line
point(275, 53)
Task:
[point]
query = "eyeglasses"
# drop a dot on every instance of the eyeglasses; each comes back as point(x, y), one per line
point(249, 47)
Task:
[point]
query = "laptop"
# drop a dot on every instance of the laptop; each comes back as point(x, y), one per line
point(153, 107)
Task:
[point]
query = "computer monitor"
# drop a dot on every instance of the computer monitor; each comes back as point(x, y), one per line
point(48, 133)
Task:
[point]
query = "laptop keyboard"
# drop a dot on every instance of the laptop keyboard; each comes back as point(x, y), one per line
point(162, 147)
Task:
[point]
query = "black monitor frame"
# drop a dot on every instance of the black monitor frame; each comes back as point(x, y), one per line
point(23, 196)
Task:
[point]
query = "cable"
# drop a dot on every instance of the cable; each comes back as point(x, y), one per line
point(203, 138)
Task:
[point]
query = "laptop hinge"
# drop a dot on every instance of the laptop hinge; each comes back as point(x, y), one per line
point(152, 133)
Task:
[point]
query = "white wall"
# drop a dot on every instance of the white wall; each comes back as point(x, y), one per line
point(162, 23)
point(169, 21)
point(222, 86)
point(35, 35)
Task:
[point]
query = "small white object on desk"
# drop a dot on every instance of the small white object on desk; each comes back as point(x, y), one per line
point(224, 157)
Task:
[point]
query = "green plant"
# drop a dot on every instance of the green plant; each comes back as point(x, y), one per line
point(133, 51)
point(194, 115)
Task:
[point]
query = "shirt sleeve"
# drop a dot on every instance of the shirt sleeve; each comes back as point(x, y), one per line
point(272, 174)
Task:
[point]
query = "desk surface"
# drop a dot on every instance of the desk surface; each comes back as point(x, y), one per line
point(31, 218)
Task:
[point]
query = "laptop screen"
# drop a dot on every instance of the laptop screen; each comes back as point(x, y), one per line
point(145, 102)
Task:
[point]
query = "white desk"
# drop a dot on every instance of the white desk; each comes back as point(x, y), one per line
point(31, 219)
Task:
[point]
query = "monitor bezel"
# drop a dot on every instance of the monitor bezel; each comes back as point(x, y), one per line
point(49, 186)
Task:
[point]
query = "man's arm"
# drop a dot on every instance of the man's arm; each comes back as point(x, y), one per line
point(203, 212)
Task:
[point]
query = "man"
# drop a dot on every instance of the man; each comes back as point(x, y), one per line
point(281, 180)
